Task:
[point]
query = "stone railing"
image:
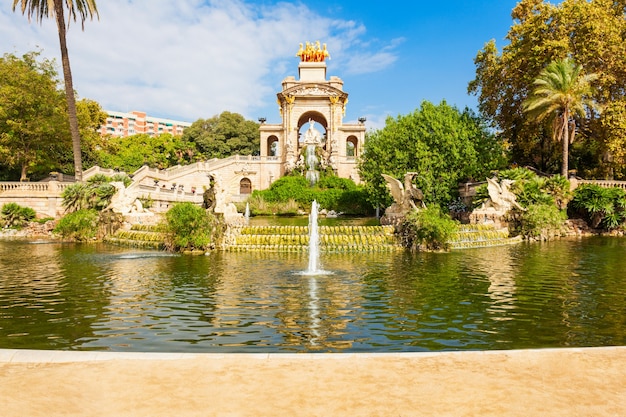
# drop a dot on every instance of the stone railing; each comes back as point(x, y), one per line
point(32, 187)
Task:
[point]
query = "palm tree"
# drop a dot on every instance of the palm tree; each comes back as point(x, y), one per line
point(561, 92)
point(39, 9)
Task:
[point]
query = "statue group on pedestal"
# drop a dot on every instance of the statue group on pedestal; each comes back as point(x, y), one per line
point(406, 197)
point(313, 53)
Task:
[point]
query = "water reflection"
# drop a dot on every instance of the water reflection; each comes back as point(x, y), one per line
point(566, 293)
point(314, 311)
point(498, 267)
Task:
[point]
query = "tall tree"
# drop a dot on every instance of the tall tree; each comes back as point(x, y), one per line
point(561, 93)
point(39, 9)
point(593, 32)
point(444, 145)
point(33, 120)
point(132, 152)
point(224, 135)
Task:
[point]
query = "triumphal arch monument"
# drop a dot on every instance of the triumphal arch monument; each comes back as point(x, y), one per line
point(310, 105)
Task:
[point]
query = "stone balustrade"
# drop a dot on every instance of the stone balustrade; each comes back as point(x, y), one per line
point(43, 197)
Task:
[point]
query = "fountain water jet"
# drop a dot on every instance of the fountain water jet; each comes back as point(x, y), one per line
point(314, 244)
point(314, 238)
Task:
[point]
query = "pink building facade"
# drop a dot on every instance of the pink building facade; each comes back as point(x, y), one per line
point(120, 124)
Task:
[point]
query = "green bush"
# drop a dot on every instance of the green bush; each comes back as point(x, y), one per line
point(78, 225)
point(291, 187)
point(355, 202)
point(538, 221)
point(428, 228)
point(331, 192)
point(559, 188)
point(189, 227)
point(600, 206)
point(516, 174)
point(15, 216)
point(531, 191)
point(335, 182)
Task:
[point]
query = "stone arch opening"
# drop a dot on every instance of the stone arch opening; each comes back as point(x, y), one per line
point(272, 146)
point(245, 186)
point(352, 146)
point(321, 124)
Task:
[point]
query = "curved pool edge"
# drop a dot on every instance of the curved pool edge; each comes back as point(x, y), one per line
point(59, 356)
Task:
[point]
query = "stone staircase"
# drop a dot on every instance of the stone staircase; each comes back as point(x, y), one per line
point(139, 236)
point(296, 239)
point(480, 236)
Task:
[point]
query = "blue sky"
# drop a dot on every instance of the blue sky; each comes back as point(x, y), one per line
point(194, 59)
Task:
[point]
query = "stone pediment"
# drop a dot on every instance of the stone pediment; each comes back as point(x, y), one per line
point(315, 90)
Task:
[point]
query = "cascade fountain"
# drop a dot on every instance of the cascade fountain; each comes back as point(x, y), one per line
point(312, 139)
point(246, 214)
point(312, 174)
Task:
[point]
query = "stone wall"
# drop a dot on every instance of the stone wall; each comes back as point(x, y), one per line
point(43, 197)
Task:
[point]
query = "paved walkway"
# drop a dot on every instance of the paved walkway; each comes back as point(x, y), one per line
point(550, 382)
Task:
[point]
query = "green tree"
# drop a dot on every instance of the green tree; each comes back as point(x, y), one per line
point(561, 94)
point(32, 114)
point(39, 9)
point(445, 146)
point(132, 152)
point(593, 33)
point(224, 135)
point(90, 118)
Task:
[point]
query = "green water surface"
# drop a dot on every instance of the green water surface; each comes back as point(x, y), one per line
point(98, 297)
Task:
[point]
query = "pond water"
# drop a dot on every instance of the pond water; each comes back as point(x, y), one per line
point(99, 297)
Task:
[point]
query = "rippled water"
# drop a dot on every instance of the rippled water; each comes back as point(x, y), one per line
point(98, 297)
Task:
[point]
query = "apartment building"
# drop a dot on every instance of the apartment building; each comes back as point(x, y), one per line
point(120, 124)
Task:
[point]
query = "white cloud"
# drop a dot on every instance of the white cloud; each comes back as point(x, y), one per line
point(192, 59)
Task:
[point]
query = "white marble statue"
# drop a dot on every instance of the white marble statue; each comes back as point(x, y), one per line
point(501, 198)
point(312, 135)
point(124, 202)
point(220, 193)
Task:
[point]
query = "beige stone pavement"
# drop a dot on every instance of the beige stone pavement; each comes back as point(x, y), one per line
point(546, 382)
